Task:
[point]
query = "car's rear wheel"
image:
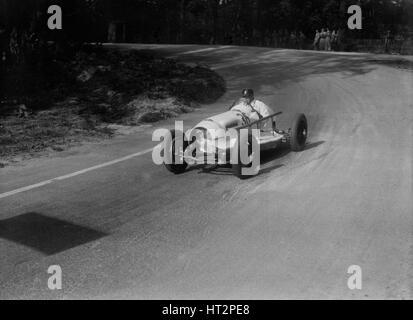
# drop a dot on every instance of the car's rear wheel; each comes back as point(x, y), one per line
point(176, 164)
point(299, 133)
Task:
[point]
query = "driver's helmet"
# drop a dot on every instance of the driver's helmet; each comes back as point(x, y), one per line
point(248, 94)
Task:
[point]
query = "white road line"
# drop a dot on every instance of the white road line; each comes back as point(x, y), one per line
point(204, 50)
point(74, 174)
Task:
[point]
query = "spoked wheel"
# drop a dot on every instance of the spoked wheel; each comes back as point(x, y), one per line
point(299, 133)
point(177, 162)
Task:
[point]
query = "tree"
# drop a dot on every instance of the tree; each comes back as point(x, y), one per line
point(241, 22)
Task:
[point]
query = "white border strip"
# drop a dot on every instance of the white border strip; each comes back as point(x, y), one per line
point(74, 174)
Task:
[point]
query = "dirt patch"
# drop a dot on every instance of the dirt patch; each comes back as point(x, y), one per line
point(147, 110)
point(49, 130)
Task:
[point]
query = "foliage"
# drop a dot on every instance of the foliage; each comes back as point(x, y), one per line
point(202, 21)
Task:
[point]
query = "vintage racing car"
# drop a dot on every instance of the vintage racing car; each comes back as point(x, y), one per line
point(221, 139)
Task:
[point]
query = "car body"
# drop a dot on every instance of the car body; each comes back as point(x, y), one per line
point(222, 138)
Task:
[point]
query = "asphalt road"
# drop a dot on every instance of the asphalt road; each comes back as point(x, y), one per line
point(132, 230)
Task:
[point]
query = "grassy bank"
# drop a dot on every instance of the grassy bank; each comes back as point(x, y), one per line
point(79, 99)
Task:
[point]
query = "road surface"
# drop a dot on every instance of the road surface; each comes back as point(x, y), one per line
point(129, 229)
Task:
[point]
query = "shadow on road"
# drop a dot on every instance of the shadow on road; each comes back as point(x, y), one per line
point(313, 145)
point(45, 234)
point(395, 63)
point(268, 161)
point(260, 66)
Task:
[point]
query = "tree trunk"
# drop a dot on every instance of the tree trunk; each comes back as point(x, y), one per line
point(215, 20)
point(181, 21)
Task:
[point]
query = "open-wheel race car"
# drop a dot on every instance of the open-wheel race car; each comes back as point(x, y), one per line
point(231, 138)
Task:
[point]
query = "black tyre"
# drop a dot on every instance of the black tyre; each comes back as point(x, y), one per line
point(176, 167)
point(299, 133)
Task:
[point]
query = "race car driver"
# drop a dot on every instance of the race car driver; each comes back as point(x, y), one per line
point(253, 108)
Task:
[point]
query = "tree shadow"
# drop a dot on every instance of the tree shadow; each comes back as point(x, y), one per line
point(252, 65)
point(46, 234)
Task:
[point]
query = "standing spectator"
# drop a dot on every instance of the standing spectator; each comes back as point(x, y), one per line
point(293, 40)
point(112, 32)
point(328, 40)
point(316, 44)
point(399, 40)
point(339, 38)
point(322, 42)
point(301, 40)
point(387, 42)
point(334, 40)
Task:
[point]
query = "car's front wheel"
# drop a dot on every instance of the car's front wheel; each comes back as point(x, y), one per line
point(299, 133)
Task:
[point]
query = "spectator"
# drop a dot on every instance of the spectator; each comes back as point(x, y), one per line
point(301, 40)
point(293, 40)
point(334, 37)
point(339, 37)
point(399, 40)
point(322, 42)
point(387, 42)
point(328, 40)
point(316, 44)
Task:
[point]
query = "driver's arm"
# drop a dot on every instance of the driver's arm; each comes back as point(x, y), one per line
point(263, 109)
